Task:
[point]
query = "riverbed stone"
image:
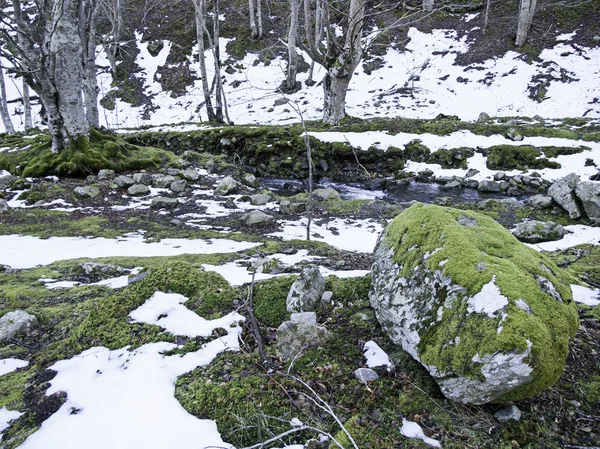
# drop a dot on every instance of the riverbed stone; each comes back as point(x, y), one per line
point(178, 185)
point(190, 174)
point(488, 186)
point(143, 178)
point(4, 205)
point(85, 192)
point(588, 192)
point(289, 207)
point(6, 181)
point(540, 201)
point(162, 202)
point(260, 199)
point(257, 218)
point(306, 291)
point(16, 323)
point(163, 181)
point(124, 182)
point(326, 194)
point(293, 338)
point(106, 174)
point(451, 295)
point(226, 186)
point(563, 192)
point(138, 190)
point(539, 231)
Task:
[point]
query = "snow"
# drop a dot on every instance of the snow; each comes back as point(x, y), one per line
point(125, 398)
point(114, 283)
point(586, 295)
point(489, 300)
point(27, 252)
point(413, 430)
point(579, 235)
point(346, 234)
point(6, 416)
point(9, 365)
point(376, 356)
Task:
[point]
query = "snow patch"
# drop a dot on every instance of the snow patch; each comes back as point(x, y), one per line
point(9, 365)
point(489, 300)
point(586, 295)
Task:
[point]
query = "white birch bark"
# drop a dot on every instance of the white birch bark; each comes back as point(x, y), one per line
point(253, 27)
point(292, 68)
point(8, 125)
point(428, 5)
point(26, 106)
point(526, 13)
point(217, 64)
point(259, 18)
point(200, 10)
point(87, 21)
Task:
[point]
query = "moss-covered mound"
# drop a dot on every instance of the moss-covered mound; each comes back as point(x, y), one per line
point(85, 156)
point(490, 318)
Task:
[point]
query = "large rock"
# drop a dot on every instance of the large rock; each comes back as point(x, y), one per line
point(138, 190)
point(106, 174)
point(540, 201)
point(260, 199)
point(4, 205)
point(6, 180)
point(161, 202)
point(305, 293)
point(86, 191)
point(190, 174)
point(539, 231)
point(162, 181)
point(589, 195)
point(16, 323)
point(226, 186)
point(124, 182)
point(326, 194)
point(563, 192)
point(472, 304)
point(257, 218)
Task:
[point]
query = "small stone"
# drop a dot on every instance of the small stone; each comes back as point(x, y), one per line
point(327, 297)
point(4, 206)
point(483, 116)
point(499, 176)
point(365, 375)
point(288, 207)
point(162, 181)
point(250, 180)
point(161, 202)
point(138, 190)
point(86, 192)
point(326, 194)
point(256, 218)
point(226, 186)
point(106, 175)
point(471, 172)
point(280, 102)
point(6, 181)
point(260, 199)
point(143, 178)
point(514, 135)
point(190, 174)
point(172, 171)
point(508, 413)
point(304, 317)
point(124, 182)
point(295, 338)
point(306, 291)
point(178, 186)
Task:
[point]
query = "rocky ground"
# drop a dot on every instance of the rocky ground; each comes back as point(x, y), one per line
point(197, 227)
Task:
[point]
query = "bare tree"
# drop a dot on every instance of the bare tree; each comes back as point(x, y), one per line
point(318, 25)
point(428, 5)
point(526, 13)
point(292, 68)
point(256, 27)
point(200, 10)
point(88, 13)
point(44, 45)
point(113, 11)
point(8, 125)
point(26, 106)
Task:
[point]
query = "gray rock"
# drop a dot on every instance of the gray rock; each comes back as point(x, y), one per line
point(106, 175)
point(190, 174)
point(499, 176)
point(488, 186)
point(563, 192)
point(16, 323)
point(162, 202)
point(138, 190)
point(365, 375)
point(514, 135)
point(540, 201)
point(483, 116)
point(326, 194)
point(260, 199)
point(226, 186)
point(306, 292)
point(471, 172)
point(172, 171)
point(143, 178)
point(6, 181)
point(256, 218)
point(250, 180)
point(539, 231)
point(288, 207)
point(327, 297)
point(280, 101)
point(124, 182)
point(294, 338)
point(304, 317)
point(86, 192)
point(4, 205)
point(509, 413)
point(102, 269)
point(451, 185)
point(163, 181)
point(178, 186)
point(588, 193)
point(422, 286)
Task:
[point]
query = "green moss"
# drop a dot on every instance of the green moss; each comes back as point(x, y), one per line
point(270, 300)
point(473, 256)
point(591, 389)
point(510, 157)
point(12, 386)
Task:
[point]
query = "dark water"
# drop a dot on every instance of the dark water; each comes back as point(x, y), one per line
point(415, 191)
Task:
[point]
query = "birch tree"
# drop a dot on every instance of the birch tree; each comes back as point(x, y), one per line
point(256, 27)
point(113, 11)
point(200, 13)
point(26, 106)
point(292, 68)
point(428, 5)
point(44, 43)
point(526, 13)
point(6, 121)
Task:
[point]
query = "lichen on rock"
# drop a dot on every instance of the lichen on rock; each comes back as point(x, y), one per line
point(463, 297)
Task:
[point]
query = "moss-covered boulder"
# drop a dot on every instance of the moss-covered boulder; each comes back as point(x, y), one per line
point(488, 317)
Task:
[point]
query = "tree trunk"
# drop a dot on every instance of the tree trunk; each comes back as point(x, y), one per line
point(318, 36)
point(217, 57)
point(253, 27)
point(26, 106)
point(200, 8)
point(66, 111)
point(87, 21)
point(428, 5)
point(292, 68)
point(334, 90)
point(8, 125)
point(526, 12)
point(259, 18)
